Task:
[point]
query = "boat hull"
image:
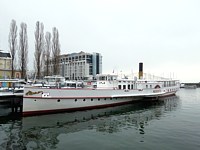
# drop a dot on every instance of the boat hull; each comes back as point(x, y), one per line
point(47, 106)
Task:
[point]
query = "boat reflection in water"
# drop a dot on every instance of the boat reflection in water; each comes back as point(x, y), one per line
point(43, 132)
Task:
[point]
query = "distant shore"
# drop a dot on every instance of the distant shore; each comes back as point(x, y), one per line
point(191, 84)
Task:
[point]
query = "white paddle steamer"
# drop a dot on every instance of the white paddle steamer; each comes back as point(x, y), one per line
point(107, 90)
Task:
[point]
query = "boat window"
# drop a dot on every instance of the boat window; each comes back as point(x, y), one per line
point(124, 87)
point(102, 78)
point(120, 87)
point(83, 99)
point(131, 86)
point(98, 99)
point(75, 100)
point(91, 99)
point(147, 86)
point(58, 79)
point(58, 100)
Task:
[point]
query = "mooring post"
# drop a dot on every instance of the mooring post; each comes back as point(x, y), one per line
point(17, 104)
point(12, 105)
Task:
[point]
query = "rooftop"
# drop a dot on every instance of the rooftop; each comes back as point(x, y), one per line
point(4, 54)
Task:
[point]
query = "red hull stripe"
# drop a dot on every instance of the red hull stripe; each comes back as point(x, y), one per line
point(40, 112)
point(89, 97)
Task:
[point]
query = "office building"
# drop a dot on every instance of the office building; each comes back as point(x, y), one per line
point(80, 66)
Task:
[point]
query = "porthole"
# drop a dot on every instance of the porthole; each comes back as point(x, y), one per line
point(91, 99)
point(35, 100)
point(110, 98)
point(58, 100)
point(98, 99)
point(83, 99)
point(75, 100)
point(104, 98)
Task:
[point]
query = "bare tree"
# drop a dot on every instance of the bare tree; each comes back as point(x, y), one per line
point(39, 47)
point(23, 49)
point(55, 51)
point(47, 52)
point(13, 44)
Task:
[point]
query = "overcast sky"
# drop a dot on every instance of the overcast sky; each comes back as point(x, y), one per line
point(163, 34)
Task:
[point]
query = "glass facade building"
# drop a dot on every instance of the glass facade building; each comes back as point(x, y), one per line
point(80, 66)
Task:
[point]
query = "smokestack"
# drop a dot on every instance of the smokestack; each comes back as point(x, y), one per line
point(140, 70)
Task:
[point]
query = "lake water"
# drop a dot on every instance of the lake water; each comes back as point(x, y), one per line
point(172, 123)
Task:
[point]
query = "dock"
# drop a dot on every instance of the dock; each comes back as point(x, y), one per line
point(14, 101)
point(191, 84)
point(9, 94)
